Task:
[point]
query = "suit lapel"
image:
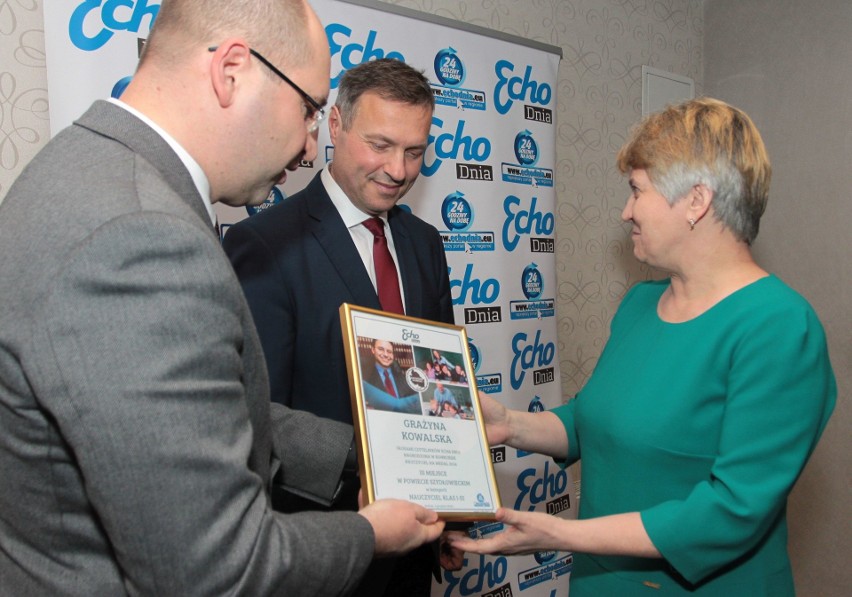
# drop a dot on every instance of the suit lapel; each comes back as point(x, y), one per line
point(117, 123)
point(331, 233)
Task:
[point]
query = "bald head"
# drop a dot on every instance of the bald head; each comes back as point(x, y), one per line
point(202, 80)
point(277, 28)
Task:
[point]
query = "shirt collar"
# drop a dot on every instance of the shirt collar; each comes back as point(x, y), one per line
point(352, 216)
point(195, 171)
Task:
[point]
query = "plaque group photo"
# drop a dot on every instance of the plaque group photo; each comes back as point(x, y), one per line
point(417, 418)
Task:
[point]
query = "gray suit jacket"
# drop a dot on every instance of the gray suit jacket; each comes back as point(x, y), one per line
point(137, 441)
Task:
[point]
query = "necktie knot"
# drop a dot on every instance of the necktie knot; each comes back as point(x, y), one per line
point(376, 226)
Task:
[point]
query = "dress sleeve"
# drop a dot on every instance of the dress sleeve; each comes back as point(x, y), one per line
point(565, 413)
point(780, 393)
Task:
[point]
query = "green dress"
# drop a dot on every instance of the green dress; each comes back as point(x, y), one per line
point(703, 427)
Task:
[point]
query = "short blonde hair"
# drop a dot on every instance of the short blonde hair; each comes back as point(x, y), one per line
point(710, 142)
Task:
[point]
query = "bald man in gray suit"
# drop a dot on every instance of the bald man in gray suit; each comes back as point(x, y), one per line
point(138, 447)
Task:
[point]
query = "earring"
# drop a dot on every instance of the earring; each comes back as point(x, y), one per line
point(691, 224)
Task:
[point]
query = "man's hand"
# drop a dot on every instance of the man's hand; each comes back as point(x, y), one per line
point(401, 526)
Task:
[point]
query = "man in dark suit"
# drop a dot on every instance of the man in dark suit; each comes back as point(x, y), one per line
point(300, 260)
point(386, 387)
point(138, 445)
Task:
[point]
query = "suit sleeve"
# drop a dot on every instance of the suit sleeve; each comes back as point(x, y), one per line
point(139, 350)
point(268, 299)
point(314, 469)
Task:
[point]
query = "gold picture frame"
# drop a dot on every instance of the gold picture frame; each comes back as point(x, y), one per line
point(416, 412)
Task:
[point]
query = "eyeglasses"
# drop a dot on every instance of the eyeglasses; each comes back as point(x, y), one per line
point(315, 113)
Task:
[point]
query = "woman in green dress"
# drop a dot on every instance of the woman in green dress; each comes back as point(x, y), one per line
point(708, 399)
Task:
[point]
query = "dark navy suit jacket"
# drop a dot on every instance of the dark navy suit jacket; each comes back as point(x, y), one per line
point(297, 264)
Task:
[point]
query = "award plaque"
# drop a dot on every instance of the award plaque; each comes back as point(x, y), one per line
point(418, 423)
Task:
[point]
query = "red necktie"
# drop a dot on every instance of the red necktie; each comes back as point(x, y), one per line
point(389, 383)
point(387, 281)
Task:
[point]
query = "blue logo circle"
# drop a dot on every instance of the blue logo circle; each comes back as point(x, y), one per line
point(531, 282)
point(474, 354)
point(526, 149)
point(449, 68)
point(275, 196)
point(543, 557)
point(456, 212)
point(120, 86)
point(536, 406)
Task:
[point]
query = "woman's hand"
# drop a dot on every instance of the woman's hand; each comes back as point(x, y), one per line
point(529, 532)
point(525, 533)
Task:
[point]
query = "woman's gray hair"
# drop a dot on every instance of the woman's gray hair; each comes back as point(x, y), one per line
point(705, 141)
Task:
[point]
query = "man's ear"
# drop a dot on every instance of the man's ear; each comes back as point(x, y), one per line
point(229, 62)
point(335, 124)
